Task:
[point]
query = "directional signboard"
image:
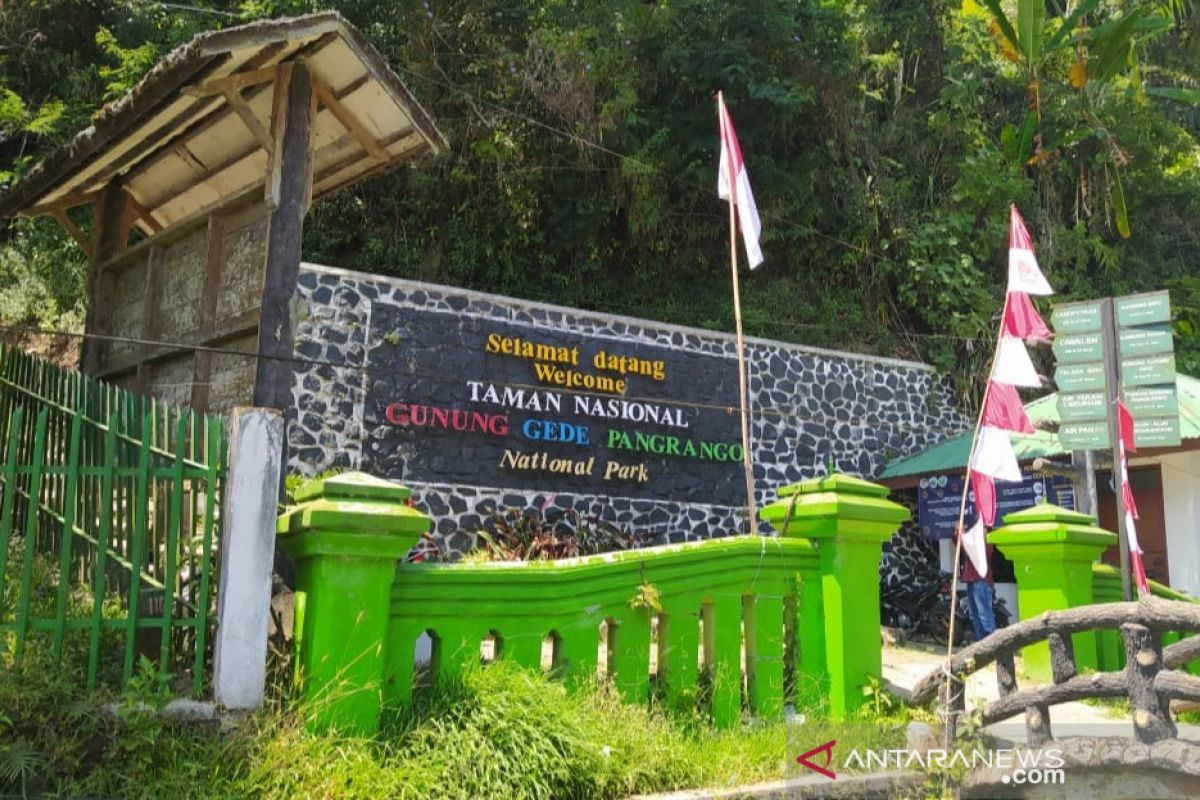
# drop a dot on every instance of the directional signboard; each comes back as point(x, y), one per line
point(1145, 361)
point(1146, 340)
point(1081, 377)
point(1080, 406)
point(1143, 309)
point(1077, 348)
point(1076, 317)
point(1147, 370)
point(1084, 435)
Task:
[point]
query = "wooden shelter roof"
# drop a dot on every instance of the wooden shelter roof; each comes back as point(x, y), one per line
point(196, 130)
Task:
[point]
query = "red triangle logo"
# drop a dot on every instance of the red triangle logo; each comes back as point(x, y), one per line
point(827, 749)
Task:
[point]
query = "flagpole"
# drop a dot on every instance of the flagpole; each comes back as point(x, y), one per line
point(962, 506)
point(747, 464)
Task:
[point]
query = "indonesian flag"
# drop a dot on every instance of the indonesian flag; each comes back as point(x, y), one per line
point(1024, 275)
point(733, 184)
point(975, 545)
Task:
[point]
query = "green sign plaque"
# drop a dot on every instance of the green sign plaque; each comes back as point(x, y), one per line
point(1143, 309)
point(1080, 377)
point(1080, 406)
point(1147, 370)
point(1078, 348)
point(1084, 435)
point(1156, 431)
point(1147, 340)
point(1076, 317)
point(1152, 401)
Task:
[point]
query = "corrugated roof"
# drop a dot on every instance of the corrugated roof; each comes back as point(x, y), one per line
point(197, 127)
point(951, 455)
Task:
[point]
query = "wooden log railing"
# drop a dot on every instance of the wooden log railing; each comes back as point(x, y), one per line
point(1152, 677)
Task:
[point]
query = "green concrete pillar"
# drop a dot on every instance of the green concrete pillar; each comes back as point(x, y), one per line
point(726, 665)
point(631, 655)
point(678, 650)
point(764, 655)
point(1052, 550)
point(848, 519)
point(345, 536)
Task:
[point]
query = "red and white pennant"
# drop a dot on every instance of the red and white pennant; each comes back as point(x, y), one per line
point(1003, 413)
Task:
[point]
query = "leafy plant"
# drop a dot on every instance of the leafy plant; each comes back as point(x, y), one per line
point(535, 534)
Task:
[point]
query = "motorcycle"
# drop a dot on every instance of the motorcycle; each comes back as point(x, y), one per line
point(909, 605)
point(964, 632)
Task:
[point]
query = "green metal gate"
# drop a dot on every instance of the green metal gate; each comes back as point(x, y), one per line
point(109, 515)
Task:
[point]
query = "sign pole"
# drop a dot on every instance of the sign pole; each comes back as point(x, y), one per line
point(747, 464)
point(1112, 394)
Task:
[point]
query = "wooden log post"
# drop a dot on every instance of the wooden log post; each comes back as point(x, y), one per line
point(288, 192)
point(110, 236)
point(1143, 661)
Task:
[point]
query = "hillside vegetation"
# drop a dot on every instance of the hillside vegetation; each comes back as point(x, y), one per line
point(884, 139)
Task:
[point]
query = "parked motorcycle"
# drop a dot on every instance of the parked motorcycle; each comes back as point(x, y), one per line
point(909, 605)
point(964, 632)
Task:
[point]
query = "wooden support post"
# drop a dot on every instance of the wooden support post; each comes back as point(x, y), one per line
point(110, 236)
point(288, 187)
point(202, 361)
point(1143, 661)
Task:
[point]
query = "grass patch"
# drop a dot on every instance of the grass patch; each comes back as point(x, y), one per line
point(498, 731)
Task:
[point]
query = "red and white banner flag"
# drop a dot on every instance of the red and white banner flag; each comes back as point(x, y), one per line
point(1003, 409)
point(1024, 275)
point(985, 497)
point(974, 543)
point(1022, 320)
point(1126, 443)
point(994, 455)
point(1013, 364)
point(733, 183)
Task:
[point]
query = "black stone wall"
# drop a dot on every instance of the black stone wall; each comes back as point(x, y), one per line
point(368, 342)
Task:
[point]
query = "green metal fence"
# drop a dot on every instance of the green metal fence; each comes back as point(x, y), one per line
point(109, 514)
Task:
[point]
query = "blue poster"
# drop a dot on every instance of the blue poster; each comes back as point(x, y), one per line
point(939, 497)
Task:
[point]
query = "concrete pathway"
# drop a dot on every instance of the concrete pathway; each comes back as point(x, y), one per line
point(904, 665)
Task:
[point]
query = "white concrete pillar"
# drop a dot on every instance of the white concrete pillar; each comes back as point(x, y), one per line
point(1181, 516)
point(247, 555)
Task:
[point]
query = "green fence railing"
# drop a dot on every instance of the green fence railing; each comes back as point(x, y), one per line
point(109, 512)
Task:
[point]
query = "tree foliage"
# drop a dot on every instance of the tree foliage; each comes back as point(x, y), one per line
point(884, 138)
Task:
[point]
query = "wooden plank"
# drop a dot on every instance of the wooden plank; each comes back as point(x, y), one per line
point(202, 360)
point(81, 238)
point(246, 115)
point(145, 215)
point(70, 503)
point(201, 126)
point(349, 121)
point(110, 236)
point(234, 82)
point(151, 311)
point(291, 176)
point(63, 204)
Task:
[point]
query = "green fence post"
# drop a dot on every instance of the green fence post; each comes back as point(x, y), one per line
point(345, 536)
point(1052, 550)
point(848, 519)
